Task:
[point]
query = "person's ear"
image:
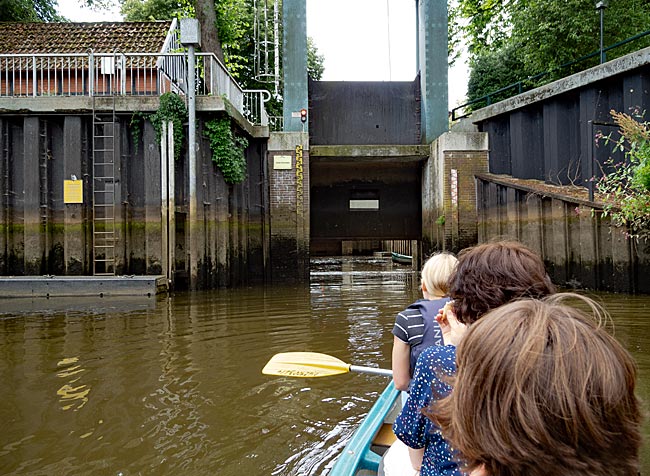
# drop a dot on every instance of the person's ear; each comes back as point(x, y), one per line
point(424, 287)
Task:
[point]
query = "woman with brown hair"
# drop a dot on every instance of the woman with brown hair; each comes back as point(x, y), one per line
point(486, 277)
point(543, 390)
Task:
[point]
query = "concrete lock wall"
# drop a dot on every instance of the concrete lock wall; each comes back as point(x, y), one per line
point(580, 247)
point(41, 234)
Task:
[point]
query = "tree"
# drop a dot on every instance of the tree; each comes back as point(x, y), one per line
point(29, 11)
point(315, 61)
point(539, 36)
point(151, 10)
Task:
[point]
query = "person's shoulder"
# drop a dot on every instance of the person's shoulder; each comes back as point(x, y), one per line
point(414, 310)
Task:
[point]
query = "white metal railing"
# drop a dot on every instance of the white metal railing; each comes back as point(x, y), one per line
point(276, 123)
point(254, 109)
point(136, 74)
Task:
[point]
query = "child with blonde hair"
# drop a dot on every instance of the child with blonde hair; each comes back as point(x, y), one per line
point(416, 328)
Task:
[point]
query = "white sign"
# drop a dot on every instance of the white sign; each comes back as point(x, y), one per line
point(295, 114)
point(364, 204)
point(282, 162)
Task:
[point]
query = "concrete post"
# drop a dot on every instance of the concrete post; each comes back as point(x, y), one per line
point(432, 50)
point(294, 56)
point(191, 37)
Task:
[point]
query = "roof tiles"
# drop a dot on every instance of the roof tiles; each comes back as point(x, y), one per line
point(102, 37)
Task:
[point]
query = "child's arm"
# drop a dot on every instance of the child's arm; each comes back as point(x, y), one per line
point(401, 364)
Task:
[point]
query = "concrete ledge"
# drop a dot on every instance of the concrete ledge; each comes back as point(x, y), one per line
point(370, 152)
point(60, 286)
point(597, 73)
point(75, 105)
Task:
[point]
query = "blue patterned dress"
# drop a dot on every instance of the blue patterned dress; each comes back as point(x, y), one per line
point(415, 429)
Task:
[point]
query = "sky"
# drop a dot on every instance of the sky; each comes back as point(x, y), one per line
point(361, 40)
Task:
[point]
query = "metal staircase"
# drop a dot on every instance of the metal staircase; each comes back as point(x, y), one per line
point(103, 189)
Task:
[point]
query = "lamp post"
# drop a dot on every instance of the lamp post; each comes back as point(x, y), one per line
point(600, 6)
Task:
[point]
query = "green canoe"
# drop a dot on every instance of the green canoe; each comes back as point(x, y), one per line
point(362, 455)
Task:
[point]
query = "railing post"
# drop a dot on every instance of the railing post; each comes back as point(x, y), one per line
point(91, 74)
point(123, 73)
point(34, 75)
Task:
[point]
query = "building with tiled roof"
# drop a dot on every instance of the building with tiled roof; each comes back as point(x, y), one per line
point(67, 59)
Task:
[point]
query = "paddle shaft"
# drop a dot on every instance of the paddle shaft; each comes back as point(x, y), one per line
point(371, 370)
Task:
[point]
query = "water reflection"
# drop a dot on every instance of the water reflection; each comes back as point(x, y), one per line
point(173, 385)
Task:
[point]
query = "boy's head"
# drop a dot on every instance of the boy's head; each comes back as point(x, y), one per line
point(543, 390)
point(492, 274)
point(436, 273)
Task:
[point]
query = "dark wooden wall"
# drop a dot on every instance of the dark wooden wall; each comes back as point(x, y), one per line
point(353, 113)
point(550, 139)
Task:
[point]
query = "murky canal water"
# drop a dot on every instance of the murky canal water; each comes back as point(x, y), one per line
point(173, 386)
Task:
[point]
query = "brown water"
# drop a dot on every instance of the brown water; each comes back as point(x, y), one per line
point(173, 386)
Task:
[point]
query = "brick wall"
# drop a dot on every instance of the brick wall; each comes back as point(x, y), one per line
point(449, 218)
point(289, 206)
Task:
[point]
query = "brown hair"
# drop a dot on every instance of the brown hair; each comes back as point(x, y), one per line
point(542, 389)
point(492, 274)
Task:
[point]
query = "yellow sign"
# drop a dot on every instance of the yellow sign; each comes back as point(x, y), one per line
point(282, 162)
point(73, 191)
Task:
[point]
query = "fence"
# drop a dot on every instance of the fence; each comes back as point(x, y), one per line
point(134, 74)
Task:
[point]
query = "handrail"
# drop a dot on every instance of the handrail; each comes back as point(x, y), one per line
point(107, 73)
point(521, 84)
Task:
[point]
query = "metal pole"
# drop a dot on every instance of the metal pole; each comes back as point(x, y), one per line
point(590, 160)
point(191, 106)
point(602, 52)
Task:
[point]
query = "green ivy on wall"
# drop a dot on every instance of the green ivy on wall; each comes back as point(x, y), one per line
point(172, 108)
point(136, 125)
point(227, 150)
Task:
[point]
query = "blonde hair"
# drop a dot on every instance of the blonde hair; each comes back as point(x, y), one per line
point(436, 273)
point(543, 390)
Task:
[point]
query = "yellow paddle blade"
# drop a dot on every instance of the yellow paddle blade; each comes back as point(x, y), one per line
point(305, 364)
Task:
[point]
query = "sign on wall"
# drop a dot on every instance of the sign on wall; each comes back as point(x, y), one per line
point(73, 191)
point(282, 162)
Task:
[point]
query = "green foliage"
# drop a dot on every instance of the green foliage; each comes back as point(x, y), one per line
point(235, 27)
point(315, 61)
point(150, 10)
point(172, 108)
point(492, 71)
point(135, 125)
point(227, 150)
point(625, 186)
point(29, 11)
point(440, 220)
point(537, 36)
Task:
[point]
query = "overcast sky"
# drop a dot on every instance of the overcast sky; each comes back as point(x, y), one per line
point(361, 40)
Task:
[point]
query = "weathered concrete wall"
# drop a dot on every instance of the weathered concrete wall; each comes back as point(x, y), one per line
point(289, 203)
point(580, 247)
point(449, 191)
point(355, 112)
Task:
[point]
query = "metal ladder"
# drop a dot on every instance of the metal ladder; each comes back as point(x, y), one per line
point(103, 189)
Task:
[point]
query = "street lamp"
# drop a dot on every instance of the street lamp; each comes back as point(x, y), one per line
point(600, 6)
